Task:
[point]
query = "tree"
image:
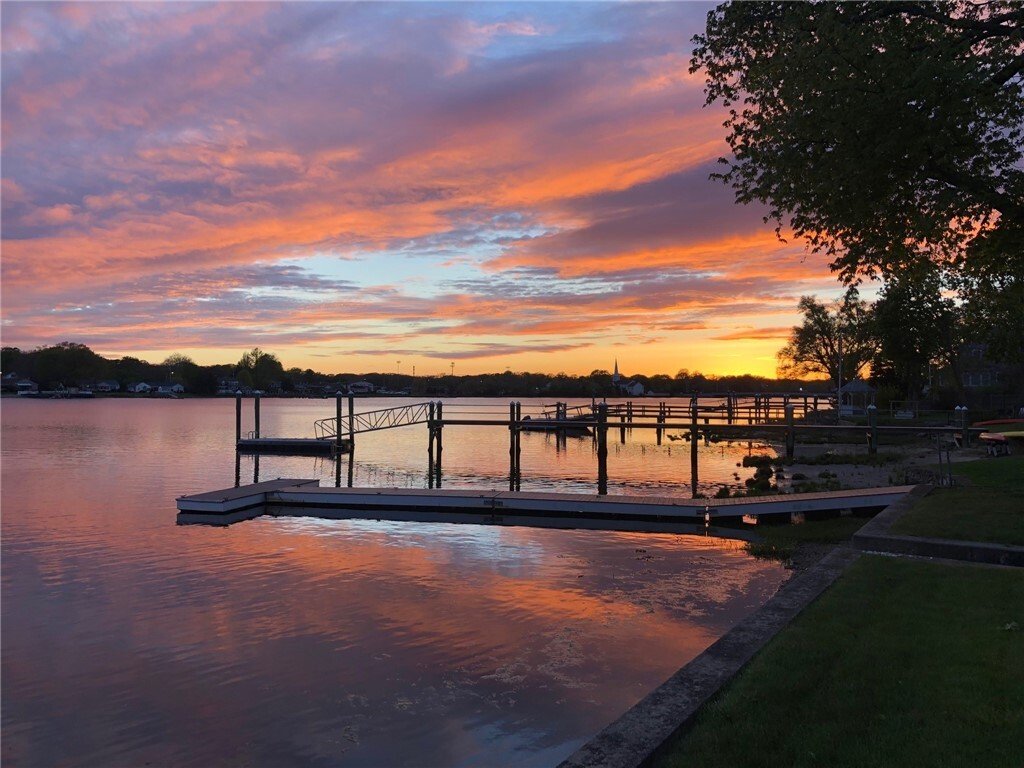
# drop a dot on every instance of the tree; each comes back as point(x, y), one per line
point(262, 368)
point(836, 340)
point(884, 134)
point(916, 326)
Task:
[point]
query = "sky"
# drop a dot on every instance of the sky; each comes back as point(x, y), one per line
point(382, 186)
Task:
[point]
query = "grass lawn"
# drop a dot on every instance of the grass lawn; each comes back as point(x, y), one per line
point(990, 509)
point(901, 663)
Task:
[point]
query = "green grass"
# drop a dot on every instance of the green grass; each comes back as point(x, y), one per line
point(990, 509)
point(779, 542)
point(901, 663)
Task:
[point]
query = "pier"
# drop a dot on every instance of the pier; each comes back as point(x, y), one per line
point(706, 418)
point(289, 497)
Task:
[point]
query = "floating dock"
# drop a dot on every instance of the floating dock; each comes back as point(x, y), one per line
point(289, 497)
point(293, 446)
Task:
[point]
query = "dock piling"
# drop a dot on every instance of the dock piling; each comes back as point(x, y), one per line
point(873, 434)
point(694, 438)
point(238, 416)
point(790, 431)
point(337, 424)
point(256, 414)
point(602, 449)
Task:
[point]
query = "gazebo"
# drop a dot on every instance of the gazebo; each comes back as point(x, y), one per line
point(855, 397)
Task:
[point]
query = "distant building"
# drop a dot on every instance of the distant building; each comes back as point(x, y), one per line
point(361, 388)
point(110, 385)
point(977, 371)
point(27, 385)
point(631, 388)
point(168, 389)
point(139, 388)
point(855, 397)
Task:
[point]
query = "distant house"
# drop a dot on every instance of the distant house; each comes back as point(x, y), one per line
point(27, 385)
point(977, 371)
point(140, 388)
point(168, 389)
point(110, 385)
point(361, 388)
point(633, 388)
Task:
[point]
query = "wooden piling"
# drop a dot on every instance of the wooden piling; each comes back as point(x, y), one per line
point(238, 417)
point(256, 414)
point(602, 449)
point(440, 447)
point(790, 432)
point(512, 444)
point(337, 427)
point(351, 422)
point(873, 434)
point(694, 438)
point(519, 447)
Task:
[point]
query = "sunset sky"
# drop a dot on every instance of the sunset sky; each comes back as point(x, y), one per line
point(495, 185)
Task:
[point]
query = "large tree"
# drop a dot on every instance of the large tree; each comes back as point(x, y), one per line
point(884, 134)
point(836, 340)
point(917, 326)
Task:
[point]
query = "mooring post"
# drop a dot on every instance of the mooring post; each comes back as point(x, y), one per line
point(728, 407)
point(337, 470)
point(602, 449)
point(351, 466)
point(790, 432)
point(519, 449)
point(629, 411)
point(694, 438)
point(337, 424)
point(238, 416)
point(873, 434)
point(622, 428)
point(256, 468)
point(351, 421)
point(430, 445)
point(964, 424)
point(660, 421)
point(256, 413)
point(512, 445)
point(440, 448)
point(238, 468)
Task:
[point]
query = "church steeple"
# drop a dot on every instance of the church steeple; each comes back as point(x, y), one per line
point(615, 375)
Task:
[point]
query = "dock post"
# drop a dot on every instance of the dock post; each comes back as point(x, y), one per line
point(512, 444)
point(964, 427)
point(351, 421)
point(873, 435)
point(351, 466)
point(728, 407)
point(519, 449)
point(602, 449)
point(256, 413)
point(790, 432)
point(440, 448)
point(238, 417)
point(660, 420)
point(430, 445)
point(337, 423)
point(622, 428)
point(694, 438)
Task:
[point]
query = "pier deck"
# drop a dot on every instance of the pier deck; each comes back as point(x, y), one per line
point(305, 497)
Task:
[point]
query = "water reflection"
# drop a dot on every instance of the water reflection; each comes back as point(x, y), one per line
point(298, 641)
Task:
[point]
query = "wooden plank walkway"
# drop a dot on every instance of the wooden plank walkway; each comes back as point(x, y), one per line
point(305, 497)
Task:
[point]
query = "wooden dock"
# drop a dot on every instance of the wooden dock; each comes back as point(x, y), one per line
point(293, 446)
point(306, 498)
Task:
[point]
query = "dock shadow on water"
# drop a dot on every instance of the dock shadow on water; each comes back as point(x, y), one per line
point(297, 641)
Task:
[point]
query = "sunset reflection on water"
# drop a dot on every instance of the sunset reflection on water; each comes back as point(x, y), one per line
point(298, 641)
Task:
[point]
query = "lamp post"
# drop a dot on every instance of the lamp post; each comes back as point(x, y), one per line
point(398, 366)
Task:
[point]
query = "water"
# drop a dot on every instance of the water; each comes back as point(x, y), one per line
point(128, 640)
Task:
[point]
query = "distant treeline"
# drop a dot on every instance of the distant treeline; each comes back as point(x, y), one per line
point(75, 365)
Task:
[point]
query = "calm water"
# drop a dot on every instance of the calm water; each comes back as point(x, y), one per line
point(129, 640)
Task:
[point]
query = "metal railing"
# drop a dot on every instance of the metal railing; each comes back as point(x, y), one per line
point(373, 421)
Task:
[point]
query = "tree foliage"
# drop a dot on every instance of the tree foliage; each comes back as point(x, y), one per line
point(884, 134)
point(916, 327)
point(836, 340)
